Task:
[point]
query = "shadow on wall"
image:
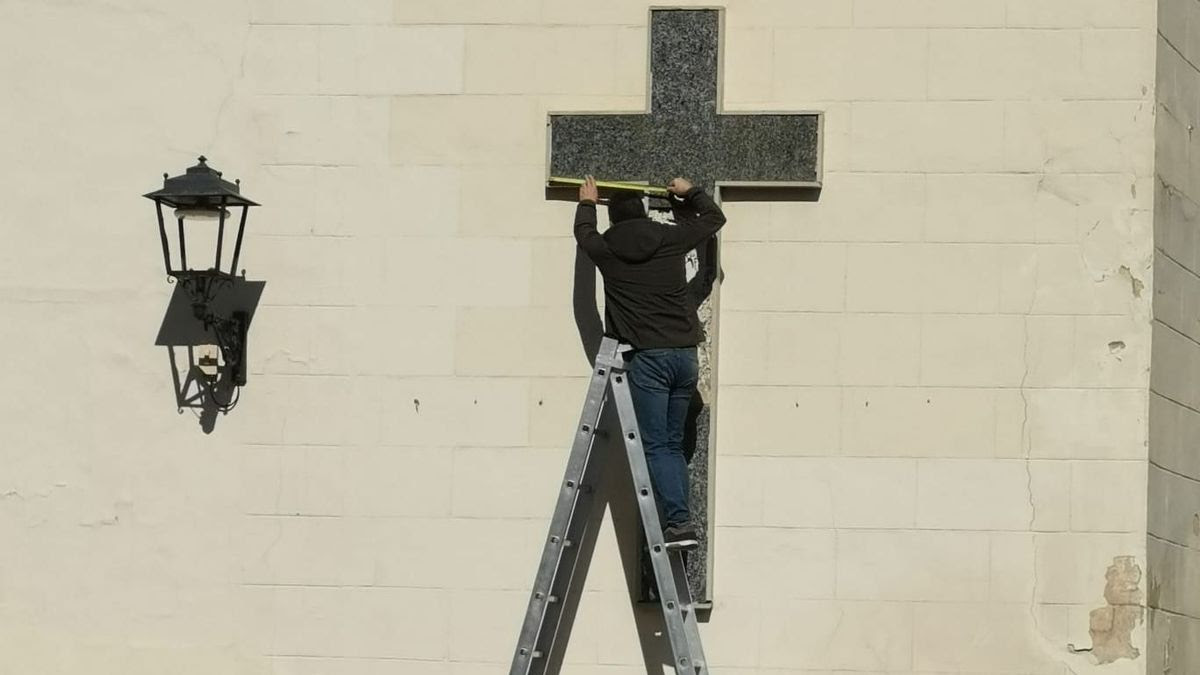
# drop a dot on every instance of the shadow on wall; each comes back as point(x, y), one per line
point(206, 382)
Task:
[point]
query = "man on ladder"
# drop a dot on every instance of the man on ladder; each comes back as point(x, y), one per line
point(646, 367)
point(648, 306)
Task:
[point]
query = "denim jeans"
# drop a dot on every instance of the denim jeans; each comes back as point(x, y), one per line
point(661, 382)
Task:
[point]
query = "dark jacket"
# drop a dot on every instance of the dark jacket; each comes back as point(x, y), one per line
point(646, 298)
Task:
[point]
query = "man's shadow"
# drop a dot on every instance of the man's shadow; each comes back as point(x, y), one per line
point(614, 482)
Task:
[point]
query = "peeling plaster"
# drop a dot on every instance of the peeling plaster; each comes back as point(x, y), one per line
point(1111, 627)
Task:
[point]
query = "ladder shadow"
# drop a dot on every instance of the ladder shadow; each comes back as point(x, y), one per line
point(614, 494)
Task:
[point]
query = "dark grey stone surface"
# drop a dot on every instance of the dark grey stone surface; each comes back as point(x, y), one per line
point(685, 134)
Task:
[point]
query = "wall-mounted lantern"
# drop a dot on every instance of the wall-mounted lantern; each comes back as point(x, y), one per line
point(201, 202)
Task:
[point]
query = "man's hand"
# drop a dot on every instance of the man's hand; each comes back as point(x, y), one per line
point(679, 186)
point(588, 194)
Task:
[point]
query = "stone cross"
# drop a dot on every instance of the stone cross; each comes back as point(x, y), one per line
point(685, 132)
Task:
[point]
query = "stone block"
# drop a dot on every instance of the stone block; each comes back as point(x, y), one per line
point(802, 349)
point(951, 347)
point(405, 341)
point(928, 14)
point(391, 60)
point(788, 277)
point(883, 278)
point(1087, 351)
point(513, 546)
point(1116, 64)
point(778, 420)
point(386, 202)
point(1015, 61)
point(361, 622)
point(508, 59)
point(1020, 208)
point(974, 494)
point(481, 624)
point(1080, 13)
point(516, 206)
point(553, 276)
point(1176, 381)
point(976, 637)
point(463, 272)
point(298, 481)
point(770, 562)
point(1173, 508)
point(1086, 423)
point(874, 493)
point(758, 491)
point(1078, 136)
point(413, 552)
point(282, 60)
point(935, 137)
point(744, 357)
point(832, 635)
point(320, 12)
point(555, 405)
point(1071, 567)
point(324, 130)
point(918, 422)
point(466, 12)
point(498, 482)
point(912, 565)
point(880, 350)
point(859, 64)
point(853, 207)
point(459, 411)
point(399, 481)
point(749, 69)
point(961, 278)
point(1011, 569)
point(1173, 574)
point(306, 402)
point(305, 551)
point(467, 130)
point(1108, 496)
point(538, 342)
point(305, 340)
point(1174, 430)
point(311, 270)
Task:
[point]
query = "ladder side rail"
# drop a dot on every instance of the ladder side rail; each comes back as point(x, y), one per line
point(691, 624)
point(686, 663)
point(564, 515)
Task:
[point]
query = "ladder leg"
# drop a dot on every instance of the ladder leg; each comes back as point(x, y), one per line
point(669, 571)
point(556, 571)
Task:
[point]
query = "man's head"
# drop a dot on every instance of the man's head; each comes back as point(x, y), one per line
point(625, 206)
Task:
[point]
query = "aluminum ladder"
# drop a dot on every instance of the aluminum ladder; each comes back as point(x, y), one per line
point(540, 646)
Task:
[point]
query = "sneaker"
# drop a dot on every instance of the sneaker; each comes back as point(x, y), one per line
point(682, 535)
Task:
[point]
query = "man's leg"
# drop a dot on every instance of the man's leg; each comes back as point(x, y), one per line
point(651, 375)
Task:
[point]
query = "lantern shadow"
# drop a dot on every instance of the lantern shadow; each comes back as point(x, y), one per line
point(201, 382)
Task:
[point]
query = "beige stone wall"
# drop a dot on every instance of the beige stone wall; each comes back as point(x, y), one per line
point(1174, 478)
point(932, 419)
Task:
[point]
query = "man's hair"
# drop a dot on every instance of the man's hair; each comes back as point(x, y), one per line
point(625, 206)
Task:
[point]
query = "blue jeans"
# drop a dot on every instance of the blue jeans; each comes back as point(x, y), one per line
point(661, 382)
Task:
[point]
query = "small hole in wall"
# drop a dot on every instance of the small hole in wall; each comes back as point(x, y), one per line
point(1116, 347)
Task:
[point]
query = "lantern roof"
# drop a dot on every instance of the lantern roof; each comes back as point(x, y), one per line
point(202, 185)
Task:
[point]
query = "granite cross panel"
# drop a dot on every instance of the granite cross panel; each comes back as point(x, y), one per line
point(685, 132)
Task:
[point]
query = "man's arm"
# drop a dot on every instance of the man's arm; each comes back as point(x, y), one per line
point(693, 231)
point(585, 223)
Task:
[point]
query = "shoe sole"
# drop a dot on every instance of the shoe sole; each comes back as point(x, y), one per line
point(682, 544)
